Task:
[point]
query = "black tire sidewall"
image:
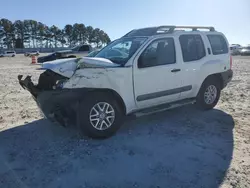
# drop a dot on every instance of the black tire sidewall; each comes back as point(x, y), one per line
point(83, 121)
point(200, 98)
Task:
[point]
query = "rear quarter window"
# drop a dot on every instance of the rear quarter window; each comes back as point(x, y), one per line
point(218, 44)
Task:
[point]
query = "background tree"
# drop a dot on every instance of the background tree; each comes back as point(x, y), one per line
point(7, 32)
point(33, 34)
point(41, 28)
point(89, 33)
point(27, 34)
point(19, 33)
point(55, 34)
point(2, 34)
point(68, 29)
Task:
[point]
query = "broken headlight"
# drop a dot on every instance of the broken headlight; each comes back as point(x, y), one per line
point(59, 84)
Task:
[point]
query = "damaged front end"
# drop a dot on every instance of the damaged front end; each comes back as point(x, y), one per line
point(48, 81)
point(56, 103)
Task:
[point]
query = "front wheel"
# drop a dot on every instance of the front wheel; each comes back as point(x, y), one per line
point(209, 94)
point(99, 116)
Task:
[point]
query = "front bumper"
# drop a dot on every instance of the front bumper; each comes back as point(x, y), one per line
point(57, 105)
point(27, 84)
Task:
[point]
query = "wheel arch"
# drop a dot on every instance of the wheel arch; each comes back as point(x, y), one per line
point(111, 93)
point(216, 76)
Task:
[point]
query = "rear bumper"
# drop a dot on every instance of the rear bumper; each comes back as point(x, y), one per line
point(227, 77)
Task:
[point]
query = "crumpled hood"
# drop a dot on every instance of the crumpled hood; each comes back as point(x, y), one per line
point(66, 67)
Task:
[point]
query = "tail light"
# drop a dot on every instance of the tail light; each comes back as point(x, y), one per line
point(231, 62)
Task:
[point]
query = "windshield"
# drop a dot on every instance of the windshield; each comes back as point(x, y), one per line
point(93, 53)
point(121, 50)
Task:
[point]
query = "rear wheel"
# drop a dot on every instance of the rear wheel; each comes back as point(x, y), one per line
point(99, 116)
point(209, 93)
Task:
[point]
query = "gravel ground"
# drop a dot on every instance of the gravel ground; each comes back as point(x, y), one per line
point(182, 147)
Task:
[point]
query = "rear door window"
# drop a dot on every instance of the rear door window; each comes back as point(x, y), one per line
point(192, 47)
point(218, 44)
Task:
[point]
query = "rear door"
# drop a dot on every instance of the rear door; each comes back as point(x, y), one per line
point(193, 55)
point(202, 55)
point(156, 74)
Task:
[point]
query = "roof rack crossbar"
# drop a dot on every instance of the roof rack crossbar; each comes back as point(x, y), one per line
point(171, 28)
point(195, 28)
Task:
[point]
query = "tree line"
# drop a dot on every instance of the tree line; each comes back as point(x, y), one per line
point(33, 34)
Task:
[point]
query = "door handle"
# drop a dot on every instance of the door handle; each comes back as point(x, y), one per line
point(175, 70)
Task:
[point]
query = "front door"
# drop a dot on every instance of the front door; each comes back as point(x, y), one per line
point(156, 74)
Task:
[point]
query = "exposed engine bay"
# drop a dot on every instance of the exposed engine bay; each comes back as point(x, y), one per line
point(52, 95)
point(49, 80)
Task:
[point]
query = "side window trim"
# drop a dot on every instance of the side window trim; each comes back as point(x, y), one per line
point(155, 40)
point(203, 44)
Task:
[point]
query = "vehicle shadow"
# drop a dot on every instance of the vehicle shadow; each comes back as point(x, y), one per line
point(179, 148)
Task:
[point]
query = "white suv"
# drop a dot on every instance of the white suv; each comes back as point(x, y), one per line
point(147, 70)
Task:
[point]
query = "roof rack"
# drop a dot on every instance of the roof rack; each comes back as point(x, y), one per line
point(163, 30)
point(195, 28)
point(171, 29)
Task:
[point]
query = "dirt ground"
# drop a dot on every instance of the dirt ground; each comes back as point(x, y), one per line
point(182, 147)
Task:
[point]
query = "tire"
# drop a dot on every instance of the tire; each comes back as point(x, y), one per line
point(13, 55)
point(205, 100)
point(86, 109)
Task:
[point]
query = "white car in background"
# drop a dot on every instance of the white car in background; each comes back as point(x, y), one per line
point(8, 54)
point(245, 50)
point(235, 49)
point(32, 53)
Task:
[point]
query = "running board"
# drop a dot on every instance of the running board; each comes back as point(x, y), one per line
point(164, 107)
